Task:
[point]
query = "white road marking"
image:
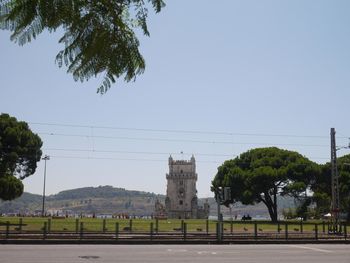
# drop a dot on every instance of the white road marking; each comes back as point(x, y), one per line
point(176, 250)
point(313, 248)
point(206, 253)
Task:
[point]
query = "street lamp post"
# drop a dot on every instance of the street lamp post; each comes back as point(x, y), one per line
point(45, 158)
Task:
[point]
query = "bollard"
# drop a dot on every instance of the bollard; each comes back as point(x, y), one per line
point(345, 231)
point(182, 226)
point(45, 230)
point(185, 231)
point(151, 231)
point(207, 226)
point(130, 225)
point(278, 227)
point(301, 227)
point(7, 229)
point(49, 225)
point(77, 225)
point(316, 231)
point(286, 230)
point(116, 231)
point(231, 227)
point(323, 227)
point(81, 230)
point(222, 231)
point(157, 225)
point(20, 224)
point(255, 230)
point(104, 225)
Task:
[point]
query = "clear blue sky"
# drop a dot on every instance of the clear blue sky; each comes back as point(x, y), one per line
point(239, 67)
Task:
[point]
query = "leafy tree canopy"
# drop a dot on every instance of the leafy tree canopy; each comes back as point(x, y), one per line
point(322, 186)
point(259, 175)
point(98, 35)
point(19, 154)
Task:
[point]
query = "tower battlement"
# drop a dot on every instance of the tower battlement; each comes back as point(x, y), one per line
point(181, 176)
point(182, 166)
point(180, 162)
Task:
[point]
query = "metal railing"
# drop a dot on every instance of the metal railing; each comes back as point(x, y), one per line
point(160, 231)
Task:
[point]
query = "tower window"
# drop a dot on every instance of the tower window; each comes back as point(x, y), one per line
point(181, 202)
point(181, 171)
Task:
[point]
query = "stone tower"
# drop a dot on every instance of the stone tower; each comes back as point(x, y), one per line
point(181, 197)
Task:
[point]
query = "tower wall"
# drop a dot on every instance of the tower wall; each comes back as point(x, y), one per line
point(181, 200)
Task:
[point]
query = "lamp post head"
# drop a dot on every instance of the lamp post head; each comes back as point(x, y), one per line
point(46, 158)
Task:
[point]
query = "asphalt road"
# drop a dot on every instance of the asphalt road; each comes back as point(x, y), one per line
point(174, 253)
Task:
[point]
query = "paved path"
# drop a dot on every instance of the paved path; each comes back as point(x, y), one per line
point(174, 253)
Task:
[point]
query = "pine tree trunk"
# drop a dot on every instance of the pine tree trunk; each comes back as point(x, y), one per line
point(275, 204)
point(271, 206)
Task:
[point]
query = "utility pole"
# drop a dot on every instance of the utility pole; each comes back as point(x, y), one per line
point(335, 206)
point(335, 184)
point(45, 158)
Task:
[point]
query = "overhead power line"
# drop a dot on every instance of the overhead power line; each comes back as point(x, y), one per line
point(138, 159)
point(135, 152)
point(179, 131)
point(153, 153)
point(131, 159)
point(180, 140)
point(120, 159)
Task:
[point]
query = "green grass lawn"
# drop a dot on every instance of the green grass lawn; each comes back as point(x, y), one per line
point(96, 224)
point(144, 225)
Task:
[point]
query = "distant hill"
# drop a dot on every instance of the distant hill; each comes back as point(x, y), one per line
point(26, 203)
point(98, 192)
point(102, 199)
point(111, 200)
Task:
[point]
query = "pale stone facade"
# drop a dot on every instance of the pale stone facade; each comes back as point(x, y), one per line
point(181, 198)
